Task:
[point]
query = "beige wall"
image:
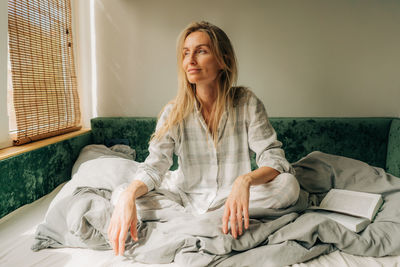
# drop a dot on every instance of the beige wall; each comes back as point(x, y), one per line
point(302, 58)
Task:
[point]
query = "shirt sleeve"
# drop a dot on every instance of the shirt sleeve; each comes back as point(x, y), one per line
point(160, 158)
point(262, 138)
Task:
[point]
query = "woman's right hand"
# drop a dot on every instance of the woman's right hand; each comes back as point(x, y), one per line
point(123, 218)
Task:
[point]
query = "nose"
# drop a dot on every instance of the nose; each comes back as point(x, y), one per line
point(192, 59)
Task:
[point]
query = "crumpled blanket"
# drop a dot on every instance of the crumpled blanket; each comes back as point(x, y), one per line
point(274, 238)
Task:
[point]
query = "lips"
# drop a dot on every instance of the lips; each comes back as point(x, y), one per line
point(193, 70)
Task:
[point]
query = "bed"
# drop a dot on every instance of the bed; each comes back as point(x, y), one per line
point(371, 140)
point(17, 233)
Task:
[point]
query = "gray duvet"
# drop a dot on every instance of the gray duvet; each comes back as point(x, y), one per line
point(79, 217)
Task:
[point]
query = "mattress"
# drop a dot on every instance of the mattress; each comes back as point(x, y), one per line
point(17, 232)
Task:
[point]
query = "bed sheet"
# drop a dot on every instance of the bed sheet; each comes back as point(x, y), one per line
point(17, 232)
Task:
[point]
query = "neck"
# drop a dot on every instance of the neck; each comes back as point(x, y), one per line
point(207, 96)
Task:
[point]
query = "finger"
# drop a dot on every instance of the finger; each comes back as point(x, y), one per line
point(122, 238)
point(114, 240)
point(239, 217)
point(233, 225)
point(110, 226)
point(246, 217)
point(134, 230)
point(225, 219)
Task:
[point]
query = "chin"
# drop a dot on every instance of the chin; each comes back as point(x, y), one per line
point(191, 80)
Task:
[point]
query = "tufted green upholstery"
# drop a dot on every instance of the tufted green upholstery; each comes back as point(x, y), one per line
point(28, 176)
point(393, 154)
point(31, 175)
point(365, 139)
point(136, 129)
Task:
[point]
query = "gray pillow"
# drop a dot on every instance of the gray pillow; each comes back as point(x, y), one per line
point(79, 214)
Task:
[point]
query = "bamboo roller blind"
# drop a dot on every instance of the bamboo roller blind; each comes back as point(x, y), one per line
point(43, 72)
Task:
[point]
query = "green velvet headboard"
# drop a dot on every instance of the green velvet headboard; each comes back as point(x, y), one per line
point(372, 140)
point(28, 176)
point(31, 175)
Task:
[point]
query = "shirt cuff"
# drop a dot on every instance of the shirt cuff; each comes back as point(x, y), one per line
point(145, 178)
point(273, 166)
point(281, 167)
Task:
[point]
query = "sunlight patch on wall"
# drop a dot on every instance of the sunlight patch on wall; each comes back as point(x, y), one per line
point(93, 59)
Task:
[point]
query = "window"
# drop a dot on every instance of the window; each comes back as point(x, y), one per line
point(44, 87)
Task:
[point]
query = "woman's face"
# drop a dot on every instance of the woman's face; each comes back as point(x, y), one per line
point(199, 63)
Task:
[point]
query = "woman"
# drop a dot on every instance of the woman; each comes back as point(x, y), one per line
point(212, 126)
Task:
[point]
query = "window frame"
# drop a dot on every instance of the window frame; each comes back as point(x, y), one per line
point(5, 139)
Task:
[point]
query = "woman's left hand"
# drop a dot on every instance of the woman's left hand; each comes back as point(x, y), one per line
point(237, 207)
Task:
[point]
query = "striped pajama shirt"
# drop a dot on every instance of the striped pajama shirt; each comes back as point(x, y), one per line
point(206, 173)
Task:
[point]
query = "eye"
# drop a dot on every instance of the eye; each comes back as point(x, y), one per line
point(185, 53)
point(202, 51)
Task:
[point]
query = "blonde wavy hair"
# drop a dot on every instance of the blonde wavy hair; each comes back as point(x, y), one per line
point(185, 101)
